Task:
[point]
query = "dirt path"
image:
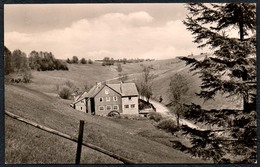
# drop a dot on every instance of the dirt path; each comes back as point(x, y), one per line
point(165, 112)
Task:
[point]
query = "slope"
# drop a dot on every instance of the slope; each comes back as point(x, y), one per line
point(25, 144)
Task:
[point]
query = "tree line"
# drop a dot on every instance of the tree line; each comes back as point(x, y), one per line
point(75, 60)
point(107, 61)
point(45, 61)
point(17, 62)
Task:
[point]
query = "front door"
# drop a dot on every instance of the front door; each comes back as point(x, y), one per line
point(92, 104)
point(86, 100)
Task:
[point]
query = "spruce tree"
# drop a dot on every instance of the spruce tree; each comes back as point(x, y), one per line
point(230, 71)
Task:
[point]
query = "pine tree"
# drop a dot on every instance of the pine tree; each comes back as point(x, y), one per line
point(230, 71)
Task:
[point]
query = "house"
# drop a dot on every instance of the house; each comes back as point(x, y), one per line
point(81, 104)
point(104, 98)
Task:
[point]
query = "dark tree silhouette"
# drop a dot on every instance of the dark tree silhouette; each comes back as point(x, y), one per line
point(45, 61)
point(231, 71)
point(7, 61)
point(75, 60)
point(83, 61)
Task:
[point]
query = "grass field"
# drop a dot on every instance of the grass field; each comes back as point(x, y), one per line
point(163, 70)
point(25, 144)
point(138, 140)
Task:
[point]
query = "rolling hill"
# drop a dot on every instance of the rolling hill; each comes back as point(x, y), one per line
point(136, 139)
point(25, 144)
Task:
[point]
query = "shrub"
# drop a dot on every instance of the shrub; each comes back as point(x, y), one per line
point(65, 93)
point(70, 84)
point(27, 77)
point(83, 61)
point(169, 125)
point(75, 60)
point(90, 61)
point(155, 116)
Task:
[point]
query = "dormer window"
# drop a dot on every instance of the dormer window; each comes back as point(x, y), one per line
point(129, 98)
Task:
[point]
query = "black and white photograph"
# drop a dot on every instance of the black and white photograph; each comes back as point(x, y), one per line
point(130, 83)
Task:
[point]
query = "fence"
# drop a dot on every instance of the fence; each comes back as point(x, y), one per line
point(74, 139)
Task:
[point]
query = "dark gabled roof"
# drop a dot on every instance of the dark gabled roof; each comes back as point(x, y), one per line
point(92, 93)
point(124, 89)
point(95, 90)
point(79, 96)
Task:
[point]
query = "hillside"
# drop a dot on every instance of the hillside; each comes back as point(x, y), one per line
point(38, 101)
point(25, 144)
point(163, 70)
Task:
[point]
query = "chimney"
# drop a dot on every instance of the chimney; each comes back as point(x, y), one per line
point(98, 84)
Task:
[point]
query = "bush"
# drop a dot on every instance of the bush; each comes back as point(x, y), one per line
point(27, 76)
point(169, 125)
point(70, 84)
point(90, 61)
point(65, 93)
point(83, 61)
point(155, 116)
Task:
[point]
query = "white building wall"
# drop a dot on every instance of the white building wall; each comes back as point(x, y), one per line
point(126, 101)
point(81, 105)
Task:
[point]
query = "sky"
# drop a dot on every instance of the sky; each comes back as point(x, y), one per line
point(95, 31)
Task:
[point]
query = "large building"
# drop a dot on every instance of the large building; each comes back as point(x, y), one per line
point(104, 98)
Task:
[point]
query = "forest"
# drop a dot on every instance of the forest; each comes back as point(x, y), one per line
point(17, 62)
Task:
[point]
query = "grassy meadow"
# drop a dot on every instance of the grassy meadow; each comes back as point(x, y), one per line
point(25, 144)
point(136, 139)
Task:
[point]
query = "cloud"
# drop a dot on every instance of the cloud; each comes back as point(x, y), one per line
point(115, 35)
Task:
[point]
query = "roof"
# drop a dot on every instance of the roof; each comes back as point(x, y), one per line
point(124, 89)
point(79, 96)
point(94, 90)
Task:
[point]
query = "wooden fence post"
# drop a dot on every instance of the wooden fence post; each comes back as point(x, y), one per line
point(80, 137)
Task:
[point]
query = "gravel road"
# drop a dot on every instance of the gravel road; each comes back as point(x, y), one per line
point(165, 112)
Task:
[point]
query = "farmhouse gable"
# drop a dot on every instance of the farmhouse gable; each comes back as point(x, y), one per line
point(104, 98)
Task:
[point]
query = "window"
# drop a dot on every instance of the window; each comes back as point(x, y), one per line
point(107, 98)
point(80, 108)
point(115, 98)
point(129, 98)
point(109, 107)
point(101, 99)
point(115, 107)
point(107, 91)
point(101, 108)
point(132, 105)
point(127, 106)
